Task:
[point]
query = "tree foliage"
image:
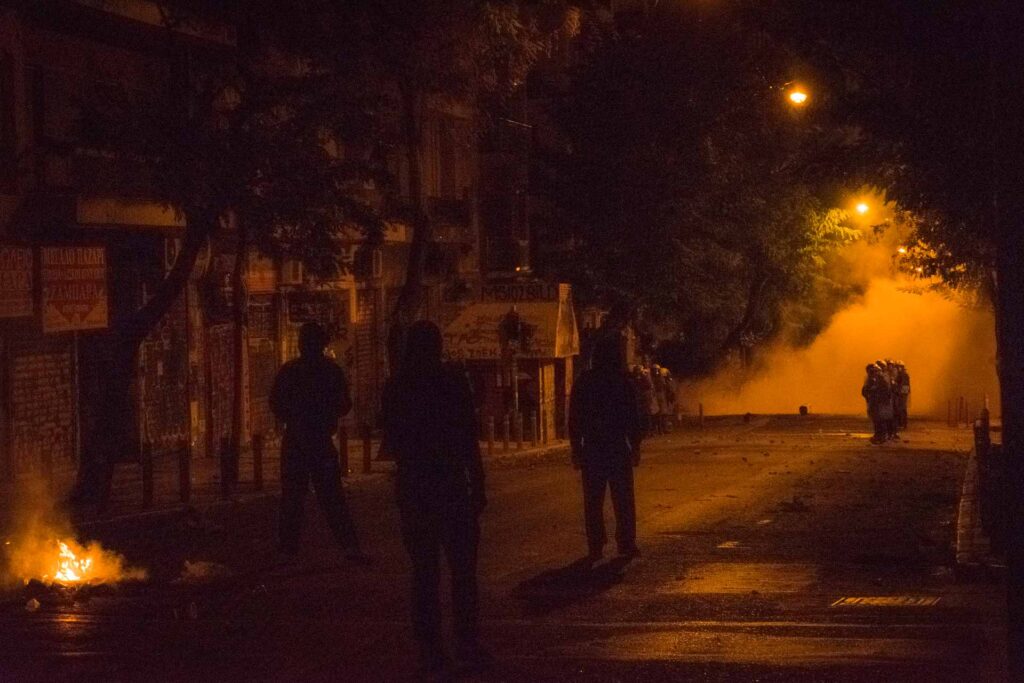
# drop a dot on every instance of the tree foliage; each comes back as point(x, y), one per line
point(680, 181)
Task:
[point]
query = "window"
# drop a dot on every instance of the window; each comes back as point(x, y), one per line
point(8, 132)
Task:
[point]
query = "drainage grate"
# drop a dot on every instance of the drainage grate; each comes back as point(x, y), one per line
point(888, 601)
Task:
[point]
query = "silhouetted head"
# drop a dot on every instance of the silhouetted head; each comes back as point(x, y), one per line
point(423, 345)
point(608, 354)
point(312, 340)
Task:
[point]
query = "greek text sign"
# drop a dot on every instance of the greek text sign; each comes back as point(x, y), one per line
point(15, 282)
point(74, 283)
point(532, 290)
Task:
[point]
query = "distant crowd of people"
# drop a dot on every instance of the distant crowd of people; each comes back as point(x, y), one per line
point(656, 392)
point(887, 392)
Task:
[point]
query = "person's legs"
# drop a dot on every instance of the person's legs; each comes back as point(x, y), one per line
point(294, 483)
point(422, 539)
point(624, 505)
point(595, 480)
point(327, 483)
point(461, 539)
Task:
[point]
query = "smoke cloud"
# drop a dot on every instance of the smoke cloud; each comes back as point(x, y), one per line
point(949, 350)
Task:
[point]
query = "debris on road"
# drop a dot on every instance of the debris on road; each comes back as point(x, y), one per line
point(201, 571)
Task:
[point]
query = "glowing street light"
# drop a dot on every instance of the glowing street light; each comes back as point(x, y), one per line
point(902, 250)
point(863, 208)
point(798, 97)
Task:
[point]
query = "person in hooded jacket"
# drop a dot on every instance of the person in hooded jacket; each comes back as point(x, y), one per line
point(605, 430)
point(431, 430)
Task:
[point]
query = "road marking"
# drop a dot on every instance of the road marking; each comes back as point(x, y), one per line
point(762, 522)
point(729, 545)
point(888, 601)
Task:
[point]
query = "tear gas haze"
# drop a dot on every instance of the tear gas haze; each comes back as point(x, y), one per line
point(948, 349)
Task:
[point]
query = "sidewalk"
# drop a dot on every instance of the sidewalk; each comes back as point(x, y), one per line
point(205, 481)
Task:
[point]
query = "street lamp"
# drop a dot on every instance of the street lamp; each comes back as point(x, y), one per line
point(798, 97)
point(863, 208)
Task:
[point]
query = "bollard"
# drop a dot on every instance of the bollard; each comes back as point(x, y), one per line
point(519, 431)
point(257, 461)
point(367, 449)
point(146, 460)
point(489, 434)
point(700, 415)
point(225, 467)
point(343, 450)
point(534, 424)
point(184, 472)
point(982, 440)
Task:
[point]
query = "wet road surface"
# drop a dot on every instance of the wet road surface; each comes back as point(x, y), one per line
point(783, 549)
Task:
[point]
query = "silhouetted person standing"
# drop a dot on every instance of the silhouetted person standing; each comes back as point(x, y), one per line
point(605, 430)
point(310, 396)
point(430, 428)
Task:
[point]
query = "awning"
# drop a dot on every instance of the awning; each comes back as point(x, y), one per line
point(473, 335)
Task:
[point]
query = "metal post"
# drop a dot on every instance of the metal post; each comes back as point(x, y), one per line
point(367, 449)
point(146, 460)
point(515, 383)
point(489, 433)
point(225, 467)
point(257, 461)
point(505, 431)
point(534, 425)
point(184, 471)
point(519, 430)
point(343, 450)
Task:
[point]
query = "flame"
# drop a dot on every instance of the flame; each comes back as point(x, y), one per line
point(71, 568)
point(65, 562)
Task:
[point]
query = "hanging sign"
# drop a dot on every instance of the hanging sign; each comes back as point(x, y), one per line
point(15, 281)
point(74, 284)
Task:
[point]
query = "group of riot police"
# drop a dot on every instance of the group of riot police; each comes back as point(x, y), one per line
point(887, 392)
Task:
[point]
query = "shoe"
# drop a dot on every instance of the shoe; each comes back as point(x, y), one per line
point(358, 557)
point(629, 553)
point(285, 557)
point(473, 656)
point(432, 663)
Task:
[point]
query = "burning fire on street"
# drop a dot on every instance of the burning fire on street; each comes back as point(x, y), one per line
point(53, 561)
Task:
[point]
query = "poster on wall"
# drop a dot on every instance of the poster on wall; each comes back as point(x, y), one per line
point(74, 288)
point(15, 281)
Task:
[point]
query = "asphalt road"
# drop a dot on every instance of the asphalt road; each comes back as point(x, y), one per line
point(783, 549)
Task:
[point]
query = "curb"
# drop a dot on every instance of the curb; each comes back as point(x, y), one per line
point(974, 560)
point(204, 506)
